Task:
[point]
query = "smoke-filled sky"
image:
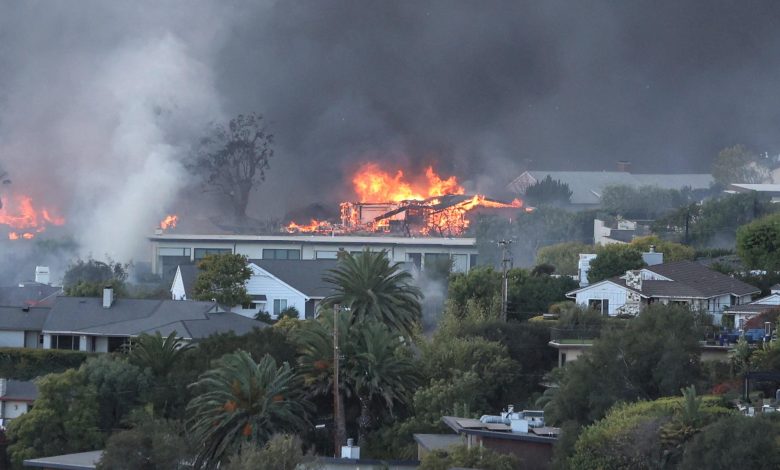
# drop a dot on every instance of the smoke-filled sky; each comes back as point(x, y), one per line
point(101, 101)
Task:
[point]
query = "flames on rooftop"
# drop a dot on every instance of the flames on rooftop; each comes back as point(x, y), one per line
point(23, 218)
point(393, 203)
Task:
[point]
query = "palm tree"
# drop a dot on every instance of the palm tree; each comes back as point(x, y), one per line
point(380, 370)
point(371, 287)
point(158, 354)
point(373, 366)
point(315, 345)
point(161, 356)
point(243, 401)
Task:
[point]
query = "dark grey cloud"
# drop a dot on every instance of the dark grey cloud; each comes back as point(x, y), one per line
point(476, 87)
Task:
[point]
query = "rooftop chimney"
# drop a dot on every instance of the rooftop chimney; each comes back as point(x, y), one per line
point(624, 166)
point(652, 257)
point(42, 275)
point(350, 451)
point(108, 297)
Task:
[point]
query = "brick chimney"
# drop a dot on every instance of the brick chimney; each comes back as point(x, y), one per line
point(624, 166)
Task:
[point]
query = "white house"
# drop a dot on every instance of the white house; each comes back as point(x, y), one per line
point(274, 286)
point(682, 282)
point(743, 313)
point(170, 250)
point(16, 398)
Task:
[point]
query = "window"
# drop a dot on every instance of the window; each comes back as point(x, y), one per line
point(201, 253)
point(174, 251)
point(68, 342)
point(327, 254)
point(472, 261)
point(437, 262)
point(460, 263)
point(279, 306)
point(117, 343)
point(599, 305)
point(415, 258)
point(270, 253)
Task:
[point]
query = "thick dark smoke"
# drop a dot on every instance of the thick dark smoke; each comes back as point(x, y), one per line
point(100, 101)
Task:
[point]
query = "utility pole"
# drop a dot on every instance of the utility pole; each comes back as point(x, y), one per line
point(506, 261)
point(337, 438)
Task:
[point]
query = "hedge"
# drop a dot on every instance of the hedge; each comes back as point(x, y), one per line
point(27, 364)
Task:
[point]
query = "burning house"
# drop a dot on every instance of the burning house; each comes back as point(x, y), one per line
point(394, 205)
point(22, 219)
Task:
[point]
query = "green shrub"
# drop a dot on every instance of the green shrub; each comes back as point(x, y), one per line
point(26, 364)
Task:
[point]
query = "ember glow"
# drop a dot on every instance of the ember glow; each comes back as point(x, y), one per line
point(169, 221)
point(313, 226)
point(25, 219)
point(391, 202)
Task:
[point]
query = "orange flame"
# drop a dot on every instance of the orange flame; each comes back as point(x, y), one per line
point(169, 221)
point(20, 214)
point(313, 226)
point(372, 184)
point(390, 202)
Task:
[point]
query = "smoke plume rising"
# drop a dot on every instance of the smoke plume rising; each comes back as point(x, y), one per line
point(100, 102)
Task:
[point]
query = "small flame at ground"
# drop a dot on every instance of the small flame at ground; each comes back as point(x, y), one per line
point(25, 219)
point(313, 226)
point(169, 221)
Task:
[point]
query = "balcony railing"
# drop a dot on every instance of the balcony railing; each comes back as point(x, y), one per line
point(571, 334)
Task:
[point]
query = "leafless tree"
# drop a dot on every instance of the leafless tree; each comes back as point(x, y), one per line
point(233, 159)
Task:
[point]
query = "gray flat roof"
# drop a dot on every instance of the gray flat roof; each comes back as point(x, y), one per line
point(79, 461)
point(438, 441)
point(310, 239)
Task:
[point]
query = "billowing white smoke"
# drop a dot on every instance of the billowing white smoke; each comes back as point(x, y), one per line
point(155, 94)
point(105, 144)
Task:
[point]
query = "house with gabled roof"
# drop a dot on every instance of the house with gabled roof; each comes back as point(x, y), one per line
point(587, 187)
point(28, 294)
point(105, 325)
point(16, 398)
point(744, 313)
point(681, 282)
point(274, 286)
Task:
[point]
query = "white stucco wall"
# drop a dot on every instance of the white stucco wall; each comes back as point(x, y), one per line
point(11, 339)
point(13, 409)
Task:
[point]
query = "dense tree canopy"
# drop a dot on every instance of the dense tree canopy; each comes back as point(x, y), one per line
point(645, 202)
point(758, 243)
point(65, 419)
point(87, 278)
point(614, 260)
point(564, 256)
point(644, 435)
point(736, 442)
point(547, 192)
point(223, 278)
point(713, 223)
point(151, 444)
point(671, 251)
point(655, 355)
point(738, 164)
